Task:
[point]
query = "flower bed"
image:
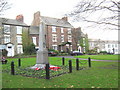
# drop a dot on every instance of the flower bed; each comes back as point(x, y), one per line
point(41, 73)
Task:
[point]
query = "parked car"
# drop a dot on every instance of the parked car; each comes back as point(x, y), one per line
point(75, 53)
point(52, 53)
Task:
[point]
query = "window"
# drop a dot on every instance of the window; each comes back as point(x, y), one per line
point(54, 47)
point(54, 37)
point(62, 38)
point(71, 47)
point(69, 30)
point(6, 28)
point(62, 31)
point(34, 40)
point(19, 49)
point(53, 29)
point(108, 46)
point(6, 38)
point(19, 39)
point(19, 30)
point(116, 50)
point(115, 45)
point(69, 38)
point(84, 41)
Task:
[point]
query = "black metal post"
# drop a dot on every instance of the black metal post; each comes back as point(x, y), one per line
point(47, 71)
point(12, 68)
point(77, 64)
point(70, 66)
point(89, 62)
point(19, 62)
point(63, 61)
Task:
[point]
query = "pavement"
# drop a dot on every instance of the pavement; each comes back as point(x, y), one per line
point(72, 57)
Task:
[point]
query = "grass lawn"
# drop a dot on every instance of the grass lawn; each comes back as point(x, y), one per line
point(100, 75)
point(100, 57)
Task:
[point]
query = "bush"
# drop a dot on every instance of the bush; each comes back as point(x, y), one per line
point(103, 52)
point(30, 49)
point(63, 54)
point(4, 52)
point(56, 51)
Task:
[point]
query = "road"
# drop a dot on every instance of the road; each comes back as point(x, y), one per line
point(72, 57)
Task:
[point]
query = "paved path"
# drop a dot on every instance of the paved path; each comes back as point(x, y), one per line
point(72, 57)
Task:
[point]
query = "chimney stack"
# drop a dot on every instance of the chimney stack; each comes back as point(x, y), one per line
point(65, 18)
point(20, 18)
point(36, 19)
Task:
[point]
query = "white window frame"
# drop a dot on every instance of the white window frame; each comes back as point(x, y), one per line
point(53, 29)
point(7, 27)
point(19, 39)
point(109, 46)
point(19, 29)
point(54, 47)
point(69, 38)
point(71, 48)
point(62, 38)
point(19, 49)
point(62, 30)
point(116, 45)
point(69, 30)
point(34, 40)
point(6, 38)
point(54, 38)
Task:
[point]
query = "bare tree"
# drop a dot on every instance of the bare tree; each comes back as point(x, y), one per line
point(4, 5)
point(76, 35)
point(98, 12)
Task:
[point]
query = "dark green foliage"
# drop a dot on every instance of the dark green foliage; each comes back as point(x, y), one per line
point(104, 52)
point(56, 51)
point(4, 52)
point(30, 49)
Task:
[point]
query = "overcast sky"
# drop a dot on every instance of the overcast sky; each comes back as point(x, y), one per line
point(56, 9)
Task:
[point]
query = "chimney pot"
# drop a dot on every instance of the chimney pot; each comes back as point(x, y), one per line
point(65, 18)
point(20, 18)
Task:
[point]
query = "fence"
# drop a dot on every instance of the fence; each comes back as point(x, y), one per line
point(46, 73)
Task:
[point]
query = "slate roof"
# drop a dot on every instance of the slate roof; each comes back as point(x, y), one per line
point(12, 22)
point(56, 22)
point(34, 30)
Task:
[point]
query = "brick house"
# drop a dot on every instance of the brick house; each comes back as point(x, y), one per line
point(11, 34)
point(58, 32)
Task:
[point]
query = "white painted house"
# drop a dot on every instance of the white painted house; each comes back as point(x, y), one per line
point(105, 45)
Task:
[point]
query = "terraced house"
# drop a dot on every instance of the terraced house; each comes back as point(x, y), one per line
point(59, 33)
point(110, 46)
point(11, 35)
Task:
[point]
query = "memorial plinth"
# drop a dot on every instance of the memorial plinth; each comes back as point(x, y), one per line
point(42, 53)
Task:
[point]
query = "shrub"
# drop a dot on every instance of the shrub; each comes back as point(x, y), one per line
point(4, 52)
point(103, 52)
point(56, 51)
point(30, 49)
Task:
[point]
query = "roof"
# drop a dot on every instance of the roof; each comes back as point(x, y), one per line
point(56, 22)
point(12, 22)
point(34, 30)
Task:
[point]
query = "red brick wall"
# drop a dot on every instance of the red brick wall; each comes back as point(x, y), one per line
point(49, 41)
